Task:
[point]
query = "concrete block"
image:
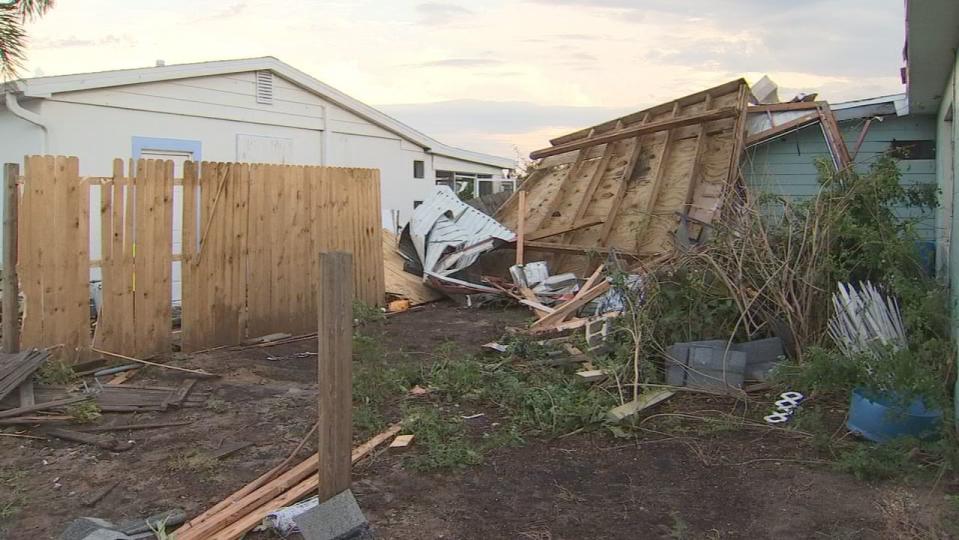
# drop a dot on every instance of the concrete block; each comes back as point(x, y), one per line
point(338, 518)
point(679, 357)
point(87, 528)
point(762, 355)
point(715, 368)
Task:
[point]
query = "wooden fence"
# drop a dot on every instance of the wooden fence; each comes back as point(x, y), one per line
point(251, 235)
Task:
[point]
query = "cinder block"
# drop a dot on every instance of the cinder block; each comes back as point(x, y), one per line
point(715, 368)
point(338, 518)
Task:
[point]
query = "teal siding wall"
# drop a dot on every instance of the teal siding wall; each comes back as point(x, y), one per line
point(786, 166)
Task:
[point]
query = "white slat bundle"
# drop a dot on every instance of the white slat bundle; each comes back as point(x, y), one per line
point(865, 320)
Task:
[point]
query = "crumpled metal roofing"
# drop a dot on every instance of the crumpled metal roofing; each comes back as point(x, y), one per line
point(449, 235)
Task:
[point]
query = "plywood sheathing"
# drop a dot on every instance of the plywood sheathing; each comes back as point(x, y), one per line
point(637, 189)
point(400, 282)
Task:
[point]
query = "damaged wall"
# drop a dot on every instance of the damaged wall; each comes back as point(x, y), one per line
point(786, 167)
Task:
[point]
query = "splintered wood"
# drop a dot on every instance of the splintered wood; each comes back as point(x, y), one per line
point(637, 183)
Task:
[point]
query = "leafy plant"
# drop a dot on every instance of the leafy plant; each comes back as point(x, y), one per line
point(443, 439)
point(56, 372)
point(84, 412)
point(364, 313)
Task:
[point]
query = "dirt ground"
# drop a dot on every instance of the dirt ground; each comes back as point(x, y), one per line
point(746, 483)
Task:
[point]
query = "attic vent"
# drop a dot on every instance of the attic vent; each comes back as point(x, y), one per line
point(264, 87)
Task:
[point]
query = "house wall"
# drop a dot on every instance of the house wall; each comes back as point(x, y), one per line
point(218, 119)
point(786, 166)
point(99, 125)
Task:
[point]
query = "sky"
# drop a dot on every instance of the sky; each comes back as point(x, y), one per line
point(498, 76)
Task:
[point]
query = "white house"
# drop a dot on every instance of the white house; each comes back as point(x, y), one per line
point(251, 110)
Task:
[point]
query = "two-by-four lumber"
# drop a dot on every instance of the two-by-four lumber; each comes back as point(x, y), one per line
point(570, 307)
point(635, 131)
point(246, 508)
point(572, 248)
point(520, 227)
point(656, 187)
point(783, 128)
point(334, 371)
point(556, 231)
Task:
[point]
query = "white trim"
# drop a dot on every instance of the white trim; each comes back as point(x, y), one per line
point(45, 87)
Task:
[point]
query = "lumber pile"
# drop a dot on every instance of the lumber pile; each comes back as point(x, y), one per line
point(17, 368)
point(234, 516)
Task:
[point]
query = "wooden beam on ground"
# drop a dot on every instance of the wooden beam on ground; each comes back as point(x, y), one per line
point(20, 411)
point(233, 517)
point(593, 278)
point(555, 231)
point(573, 248)
point(520, 227)
point(335, 371)
point(194, 372)
point(636, 131)
point(569, 308)
point(646, 400)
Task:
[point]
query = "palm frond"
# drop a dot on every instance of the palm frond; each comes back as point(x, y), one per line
point(13, 36)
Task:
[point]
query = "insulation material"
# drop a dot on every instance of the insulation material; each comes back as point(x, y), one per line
point(632, 194)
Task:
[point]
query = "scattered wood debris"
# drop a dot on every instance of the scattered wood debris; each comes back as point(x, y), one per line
point(401, 442)
point(591, 375)
point(236, 515)
point(645, 400)
point(17, 368)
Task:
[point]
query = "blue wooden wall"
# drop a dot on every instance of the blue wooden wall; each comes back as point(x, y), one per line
point(786, 167)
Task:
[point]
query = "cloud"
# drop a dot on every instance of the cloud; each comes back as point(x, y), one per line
point(459, 63)
point(437, 13)
point(70, 42)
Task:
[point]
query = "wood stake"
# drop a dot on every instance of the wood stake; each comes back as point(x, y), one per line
point(521, 228)
point(11, 284)
point(334, 372)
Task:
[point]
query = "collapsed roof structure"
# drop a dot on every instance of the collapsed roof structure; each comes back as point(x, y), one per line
point(628, 185)
point(639, 187)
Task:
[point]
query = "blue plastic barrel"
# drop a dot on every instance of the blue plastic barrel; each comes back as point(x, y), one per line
point(881, 419)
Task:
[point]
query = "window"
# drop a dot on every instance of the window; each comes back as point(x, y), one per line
point(910, 150)
point(485, 187)
point(419, 169)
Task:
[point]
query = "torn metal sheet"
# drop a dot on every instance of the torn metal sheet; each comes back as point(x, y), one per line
point(450, 235)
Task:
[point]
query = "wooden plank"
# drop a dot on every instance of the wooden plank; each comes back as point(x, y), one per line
point(572, 248)
point(636, 131)
point(334, 372)
point(613, 212)
point(401, 442)
point(188, 300)
point(594, 182)
point(567, 309)
point(779, 107)
point(521, 228)
point(664, 108)
point(782, 129)
point(237, 514)
point(556, 231)
point(20, 411)
point(646, 400)
point(656, 187)
point(11, 286)
point(128, 271)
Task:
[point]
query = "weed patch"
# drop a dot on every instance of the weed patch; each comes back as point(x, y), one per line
point(84, 412)
point(193, 462)
point(56, 372)
point(442, 439)
point(12, 492)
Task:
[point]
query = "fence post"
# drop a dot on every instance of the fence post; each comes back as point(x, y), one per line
point(11, 284)
point(335, 372)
